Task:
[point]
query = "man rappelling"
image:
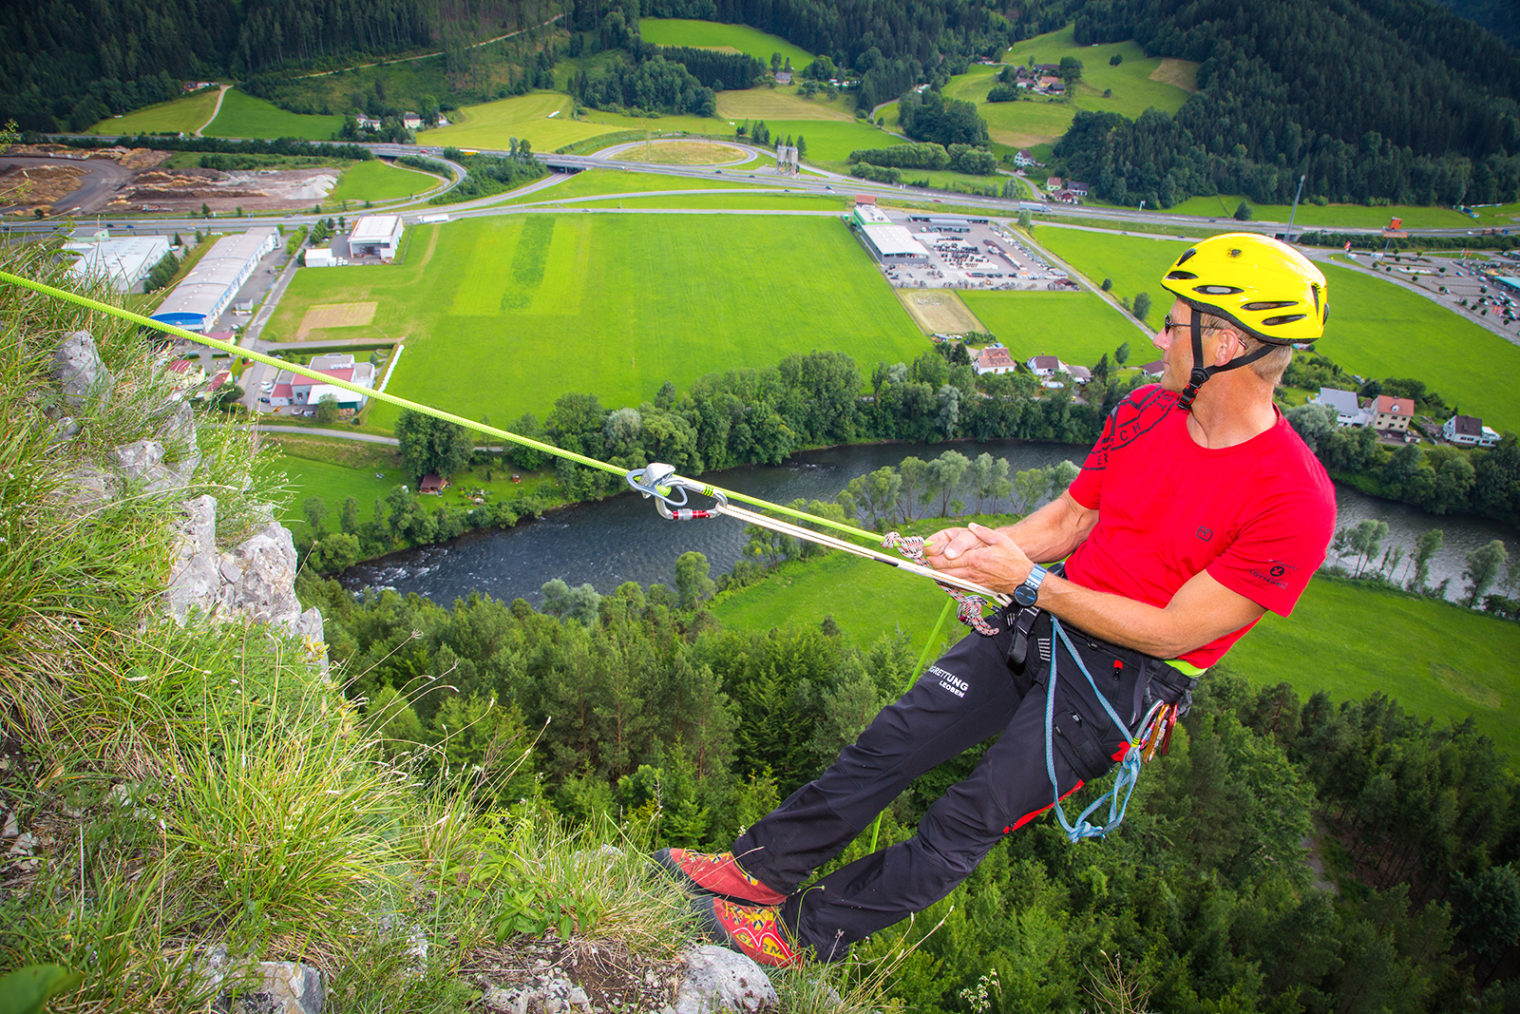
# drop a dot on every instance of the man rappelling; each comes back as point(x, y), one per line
point(1198, 510)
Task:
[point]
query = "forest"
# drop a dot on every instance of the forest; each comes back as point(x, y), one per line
point(1369, 100)
point(640, 705)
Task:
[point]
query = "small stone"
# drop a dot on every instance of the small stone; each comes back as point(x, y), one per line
point(720, 979)
point(11, 827)
point(78, 370)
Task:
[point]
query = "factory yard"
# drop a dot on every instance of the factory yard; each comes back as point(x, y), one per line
point(37, 178)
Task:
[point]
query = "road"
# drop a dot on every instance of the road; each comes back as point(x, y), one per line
point(221, 94)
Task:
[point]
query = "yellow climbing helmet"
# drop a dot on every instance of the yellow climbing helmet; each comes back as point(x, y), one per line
point(1265, 286)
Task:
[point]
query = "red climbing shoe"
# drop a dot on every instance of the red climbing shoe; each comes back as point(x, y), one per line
point(749, 929)
point(718, 874)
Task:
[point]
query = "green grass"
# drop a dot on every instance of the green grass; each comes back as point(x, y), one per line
point(175, 116)
point(1376, 328)
point(880, 600)
point(380, 181)
point(494, 124)
point(1076, 326)
point(245, 116)
point(714, 35)
point(737, 201)
point(1330, 216)
point(612, 182)
point(783, 102)
point(1434, 658)
point(505, 315)
point(333, 483)
point(1025, 123)
point(1497, 216)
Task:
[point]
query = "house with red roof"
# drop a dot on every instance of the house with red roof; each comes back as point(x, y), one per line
point(1392, 415)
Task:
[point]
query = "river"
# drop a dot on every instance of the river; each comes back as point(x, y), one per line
point(624, 539)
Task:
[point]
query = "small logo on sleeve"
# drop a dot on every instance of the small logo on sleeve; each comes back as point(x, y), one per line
point(1273, 575)
point(1204, 534)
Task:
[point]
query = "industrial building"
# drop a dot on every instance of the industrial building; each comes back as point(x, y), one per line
point(199, 300)
point(122, 263)
point(302, 394)
point(376, 236)
point(887, 242)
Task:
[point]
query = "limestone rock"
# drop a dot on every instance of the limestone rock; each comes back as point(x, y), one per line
point(142, 462)
point(193, 578)
point(283, 987)
point(88, 485)
point(719, 979)
point(258, 578)
point(176, 431)
point(78, 370)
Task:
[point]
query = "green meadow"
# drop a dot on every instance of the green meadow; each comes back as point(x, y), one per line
point(1329, 216)
point(735, 201)
point(1436, 659)
point(1376, 329)
point(504, 315)
point(1138, 83)
point(595, 183)
point(380, 181)
point(182, 115)
point(716, 35)
point(245, 116)
point(1076, 326)
point(544, 119)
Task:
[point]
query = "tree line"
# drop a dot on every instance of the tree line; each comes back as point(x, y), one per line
point(1368, 99)
point(639, 705)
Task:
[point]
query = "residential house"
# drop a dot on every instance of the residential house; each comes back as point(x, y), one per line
point(411, 121)
point(1348, 411)
point(432, 485)
point(302, 393)
point(783, 77)
point(367, 122)
point(1079, 374)
point(1024, 160)
point(1469, 431)
point(1046, 366)
point(186, 373)
point(1077, 187)
point(1050, 84)
point(1391, 415)
point(993, 359)
point(1055, 183)
point(1154, 370)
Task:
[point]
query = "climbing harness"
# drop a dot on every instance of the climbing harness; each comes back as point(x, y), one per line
point(1154, 730)
point(660, 482)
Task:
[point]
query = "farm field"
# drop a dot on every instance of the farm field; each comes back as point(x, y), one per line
point(503, 316)
point(1076, 326)
point(738, 200)
point(1376, 329)
point(1359, 216)
point(245, 116)
point(939, 310)
point(379, 181)
point(1138, 83)
point(494, 124)
point(1436, 659)
point(716, 35)
point(782, 103)
point(612, 182)
point(182, 114)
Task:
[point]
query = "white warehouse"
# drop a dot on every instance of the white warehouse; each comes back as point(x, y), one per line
point(122, 263)
point(199, 300)
point(376, 236)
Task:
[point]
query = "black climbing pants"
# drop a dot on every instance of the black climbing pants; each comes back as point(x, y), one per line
point(981, 688)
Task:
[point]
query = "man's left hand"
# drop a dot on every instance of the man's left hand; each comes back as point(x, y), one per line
point(994, 561)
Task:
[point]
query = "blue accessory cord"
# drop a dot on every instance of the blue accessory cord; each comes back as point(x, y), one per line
point(1129, 767)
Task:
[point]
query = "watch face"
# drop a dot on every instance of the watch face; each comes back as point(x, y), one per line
point(1025, 595)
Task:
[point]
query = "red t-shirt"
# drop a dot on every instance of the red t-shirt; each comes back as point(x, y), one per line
point(1257, 516)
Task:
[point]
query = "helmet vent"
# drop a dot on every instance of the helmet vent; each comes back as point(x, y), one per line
point(1287, 318)
point(1218, 290)
point(1182, 275)
point(1256, 307)
point(1184, 258)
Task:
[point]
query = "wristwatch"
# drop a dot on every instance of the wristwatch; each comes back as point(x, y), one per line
point(1026, 593)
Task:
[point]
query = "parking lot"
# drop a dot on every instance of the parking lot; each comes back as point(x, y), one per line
point(1456, 281)
point(969, 254)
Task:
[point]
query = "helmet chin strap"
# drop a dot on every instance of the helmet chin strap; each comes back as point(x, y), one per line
point(1200, 373)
